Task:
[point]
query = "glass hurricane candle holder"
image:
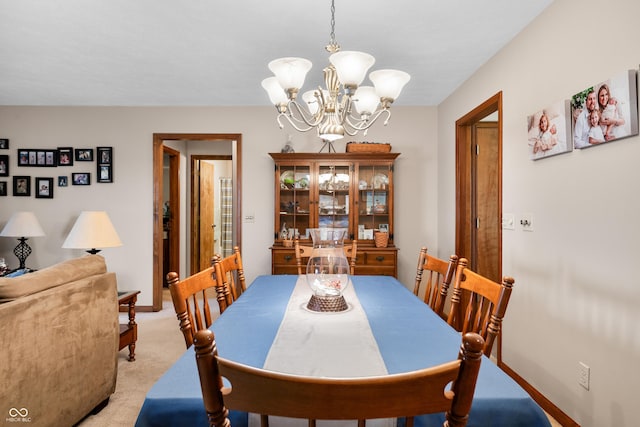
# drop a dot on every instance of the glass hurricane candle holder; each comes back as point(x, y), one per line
point(328, 270)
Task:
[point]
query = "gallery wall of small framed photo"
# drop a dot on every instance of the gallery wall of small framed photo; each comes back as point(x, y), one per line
point(81, 178)
point(22, 186)
point(3, 188)
point(4, 144)
point(84, 154)
point(4, 165)
point(65, 156)
point(44, 188)
point(63, 181)
point(104, 156)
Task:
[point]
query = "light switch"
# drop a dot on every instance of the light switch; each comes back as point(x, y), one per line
point(508, 221)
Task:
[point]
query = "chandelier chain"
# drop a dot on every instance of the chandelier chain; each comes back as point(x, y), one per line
point(333, 46)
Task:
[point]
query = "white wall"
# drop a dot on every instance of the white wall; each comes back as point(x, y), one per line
point(576, 294)
point(128, 200)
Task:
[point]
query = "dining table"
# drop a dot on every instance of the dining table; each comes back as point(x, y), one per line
point(386, 329)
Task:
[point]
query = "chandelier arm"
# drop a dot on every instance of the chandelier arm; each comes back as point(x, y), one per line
point(302, 116)
point(292, 121)
point(360, 124)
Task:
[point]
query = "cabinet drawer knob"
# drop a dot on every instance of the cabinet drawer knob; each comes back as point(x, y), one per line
point(380, 258)
point(288, 258)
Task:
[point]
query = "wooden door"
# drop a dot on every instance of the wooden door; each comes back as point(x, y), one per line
point(486, 171)
point(207, 201)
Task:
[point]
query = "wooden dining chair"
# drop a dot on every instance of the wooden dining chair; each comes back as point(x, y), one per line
point(303, 252)
point(229, 274)
point(437, 275)
point(478, 304)
point(404, 395)
point(191, 301)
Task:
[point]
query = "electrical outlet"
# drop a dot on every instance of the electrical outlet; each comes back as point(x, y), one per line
point(526, 222)
point(583, 375)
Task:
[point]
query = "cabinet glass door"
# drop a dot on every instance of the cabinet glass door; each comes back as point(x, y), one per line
point(373, 200)
point(295, 201)
point(334, 184)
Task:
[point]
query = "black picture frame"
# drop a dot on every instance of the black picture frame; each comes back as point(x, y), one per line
point(65, 156)
point(23, 157)
point(40, 157)
point(3, 188)
point(63, 181)
point(104, 155)
point(21, 186)
point(83, 154)
point(104, 167)
point(105, 174)
point(4, 145)
point(81, 178)
point(44, 188)
point(4, 165)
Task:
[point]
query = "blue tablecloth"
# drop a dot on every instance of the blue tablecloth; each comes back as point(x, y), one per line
point(408, 333)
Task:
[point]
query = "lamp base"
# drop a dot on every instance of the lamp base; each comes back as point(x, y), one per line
point(327, 304)
point(22, 251)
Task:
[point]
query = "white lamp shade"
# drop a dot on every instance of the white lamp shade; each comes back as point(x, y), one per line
point(351, 66)
point(389, 83)
point(92, 229)
point(277, 95)
point(290, 72)
point(22, 224)
point(366, 100)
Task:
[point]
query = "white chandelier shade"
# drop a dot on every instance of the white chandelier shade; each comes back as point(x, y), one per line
point(351, 66)
point(343, 106)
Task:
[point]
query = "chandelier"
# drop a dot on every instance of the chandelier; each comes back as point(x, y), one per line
point(343, 107)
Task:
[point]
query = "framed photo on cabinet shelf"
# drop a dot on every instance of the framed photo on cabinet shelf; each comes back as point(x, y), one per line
point(383, 228)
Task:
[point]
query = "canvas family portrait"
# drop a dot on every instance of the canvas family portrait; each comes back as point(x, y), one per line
point(605, 112)
point(548, 131)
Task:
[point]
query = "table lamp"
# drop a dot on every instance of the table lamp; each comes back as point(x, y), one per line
point(92, 229)
point(22, 225)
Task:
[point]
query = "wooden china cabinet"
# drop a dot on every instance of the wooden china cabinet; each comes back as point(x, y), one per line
point(342, 190)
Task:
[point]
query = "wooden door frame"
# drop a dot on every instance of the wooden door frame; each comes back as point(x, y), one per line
point(193, 242)
point(464, 191)
point(158, 144)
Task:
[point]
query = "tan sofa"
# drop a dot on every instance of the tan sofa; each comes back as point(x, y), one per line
point(59, 333)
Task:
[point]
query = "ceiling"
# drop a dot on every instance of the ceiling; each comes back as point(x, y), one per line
point(215, 53)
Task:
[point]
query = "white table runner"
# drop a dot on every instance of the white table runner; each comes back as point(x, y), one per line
point(323, 345)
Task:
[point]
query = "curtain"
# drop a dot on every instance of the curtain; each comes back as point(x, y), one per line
point(226, 214)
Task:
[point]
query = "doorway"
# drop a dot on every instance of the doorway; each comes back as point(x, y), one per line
point(479, 191)
point(213, 141)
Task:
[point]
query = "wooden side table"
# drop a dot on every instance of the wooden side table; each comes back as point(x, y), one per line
point(129, 331)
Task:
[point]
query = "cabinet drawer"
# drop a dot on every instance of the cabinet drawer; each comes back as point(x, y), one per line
point(284, 257)
point(380, 258)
